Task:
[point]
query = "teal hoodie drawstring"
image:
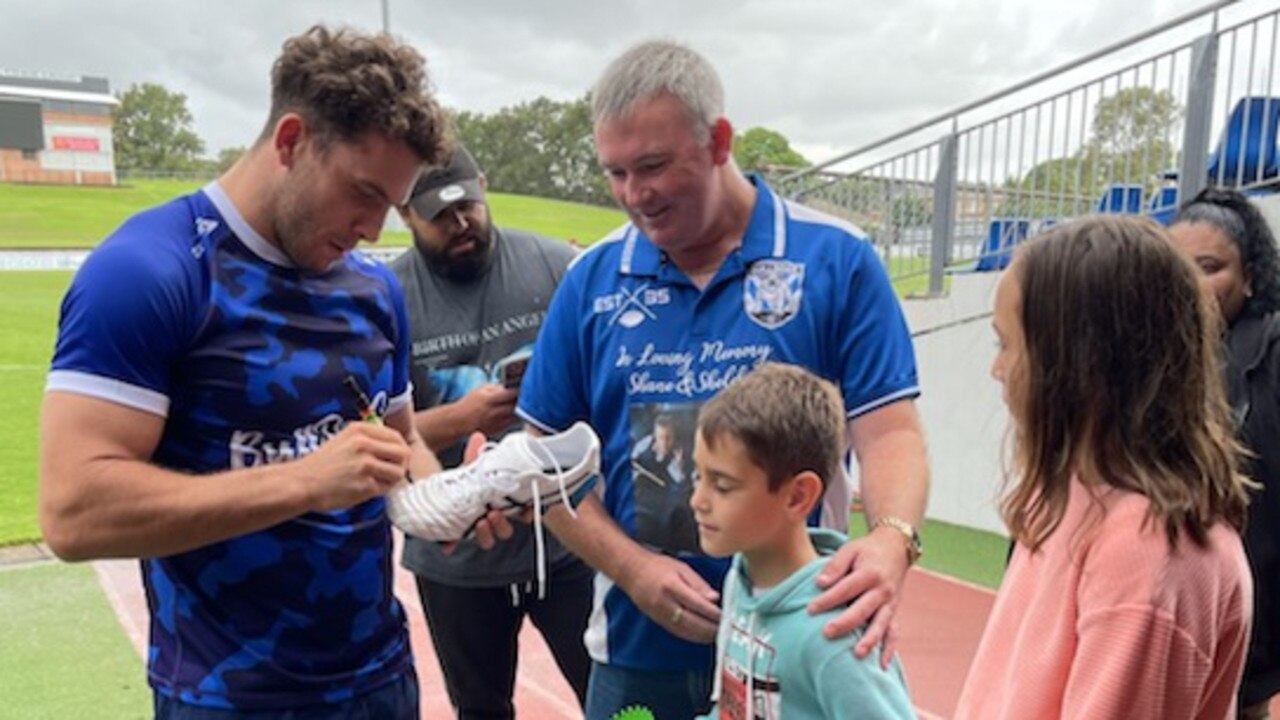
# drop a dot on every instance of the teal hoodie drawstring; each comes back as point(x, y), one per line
point(751, 665)
point(722, 634)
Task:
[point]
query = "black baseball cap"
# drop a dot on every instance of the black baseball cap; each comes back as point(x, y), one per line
point(442, 187)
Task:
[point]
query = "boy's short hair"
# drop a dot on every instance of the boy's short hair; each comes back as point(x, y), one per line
point(788, 419)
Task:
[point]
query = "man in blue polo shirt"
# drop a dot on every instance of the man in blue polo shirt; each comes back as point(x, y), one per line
point(714, 275)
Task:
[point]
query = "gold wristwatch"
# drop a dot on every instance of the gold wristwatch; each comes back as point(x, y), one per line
point(915, 548)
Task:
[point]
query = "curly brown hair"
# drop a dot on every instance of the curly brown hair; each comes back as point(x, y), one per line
point(345, 83)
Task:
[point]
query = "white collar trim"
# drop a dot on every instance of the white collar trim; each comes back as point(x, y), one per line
point(257, 244)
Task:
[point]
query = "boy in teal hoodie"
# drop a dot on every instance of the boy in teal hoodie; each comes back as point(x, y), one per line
point(764, 451)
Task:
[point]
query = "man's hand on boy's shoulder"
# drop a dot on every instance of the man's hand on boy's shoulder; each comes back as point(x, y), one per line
point(866, 575)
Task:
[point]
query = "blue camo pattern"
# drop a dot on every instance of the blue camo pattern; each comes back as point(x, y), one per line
point(300, 613)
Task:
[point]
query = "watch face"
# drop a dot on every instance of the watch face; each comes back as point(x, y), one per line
point(915, 548)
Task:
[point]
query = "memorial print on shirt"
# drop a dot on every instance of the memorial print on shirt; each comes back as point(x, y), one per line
point(663, 475)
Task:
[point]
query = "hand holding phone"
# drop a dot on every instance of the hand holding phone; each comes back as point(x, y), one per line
point(513, 373)
point(509, 371)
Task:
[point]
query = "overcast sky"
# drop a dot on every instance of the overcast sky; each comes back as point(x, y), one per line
point(828, 74)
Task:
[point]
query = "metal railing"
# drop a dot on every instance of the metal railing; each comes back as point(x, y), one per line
point(194, 175)
point(1101, 134)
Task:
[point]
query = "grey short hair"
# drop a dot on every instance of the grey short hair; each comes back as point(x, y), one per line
point(655, 67)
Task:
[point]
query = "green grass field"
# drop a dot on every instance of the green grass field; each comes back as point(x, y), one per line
point(64, 656)
point(29, 314)
point(51, 216)
point(972, 555)
point(54, 216)
point(48, 216)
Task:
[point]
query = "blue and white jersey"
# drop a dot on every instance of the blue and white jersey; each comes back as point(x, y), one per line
point(187, 313)
point(631, 346)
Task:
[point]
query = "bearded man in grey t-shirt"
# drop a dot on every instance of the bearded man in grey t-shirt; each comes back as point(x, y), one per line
point(476, 295)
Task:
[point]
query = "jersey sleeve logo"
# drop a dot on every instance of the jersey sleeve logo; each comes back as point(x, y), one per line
point(772, 292)
point(205, 226)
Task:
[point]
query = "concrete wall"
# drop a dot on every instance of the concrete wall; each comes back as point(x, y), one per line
point(964, 417)
point(1270, 207)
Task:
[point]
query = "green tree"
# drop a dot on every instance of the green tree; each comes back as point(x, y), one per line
point(1130, 141)
point(763, 150)
point(542, 147)
point(227, 157)
point(1053, 188)
point(153, 130)
point(910, 209)
point(1133, 118)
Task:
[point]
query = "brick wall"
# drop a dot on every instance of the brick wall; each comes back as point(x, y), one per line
point(16, 168)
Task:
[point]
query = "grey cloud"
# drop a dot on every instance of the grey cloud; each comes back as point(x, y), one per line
point(826, 73)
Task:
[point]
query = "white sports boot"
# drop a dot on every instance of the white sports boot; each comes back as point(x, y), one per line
point(520, 472)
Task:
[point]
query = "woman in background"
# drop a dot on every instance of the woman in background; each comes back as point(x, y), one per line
point(1228, 239)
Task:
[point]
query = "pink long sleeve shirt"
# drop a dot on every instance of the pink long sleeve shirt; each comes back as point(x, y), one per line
point(1106, 621)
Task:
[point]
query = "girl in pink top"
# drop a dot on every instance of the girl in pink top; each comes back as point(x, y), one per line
point(1128, 595)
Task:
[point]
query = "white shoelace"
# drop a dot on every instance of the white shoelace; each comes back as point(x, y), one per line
point(539, 541)
point(470, 486)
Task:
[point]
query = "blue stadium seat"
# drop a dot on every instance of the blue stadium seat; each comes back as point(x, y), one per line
point(1044, 224)
point(1163, 205)
point(1247, 152)
point(1121, 198)
point(1002, 235)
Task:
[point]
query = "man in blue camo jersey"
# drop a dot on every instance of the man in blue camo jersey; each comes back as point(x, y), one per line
point(196, 415)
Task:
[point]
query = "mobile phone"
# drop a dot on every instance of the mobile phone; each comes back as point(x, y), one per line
point(513, 373)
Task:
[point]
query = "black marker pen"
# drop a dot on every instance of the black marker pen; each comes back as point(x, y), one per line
point(365, 407)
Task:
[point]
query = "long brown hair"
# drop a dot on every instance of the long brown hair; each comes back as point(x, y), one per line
point(1120, 381)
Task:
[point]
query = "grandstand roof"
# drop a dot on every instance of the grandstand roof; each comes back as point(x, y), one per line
point(41, 86)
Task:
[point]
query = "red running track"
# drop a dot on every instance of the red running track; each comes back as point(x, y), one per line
point(940, 621)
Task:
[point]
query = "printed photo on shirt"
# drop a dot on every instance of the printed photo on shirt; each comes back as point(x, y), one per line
point(662, 476)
